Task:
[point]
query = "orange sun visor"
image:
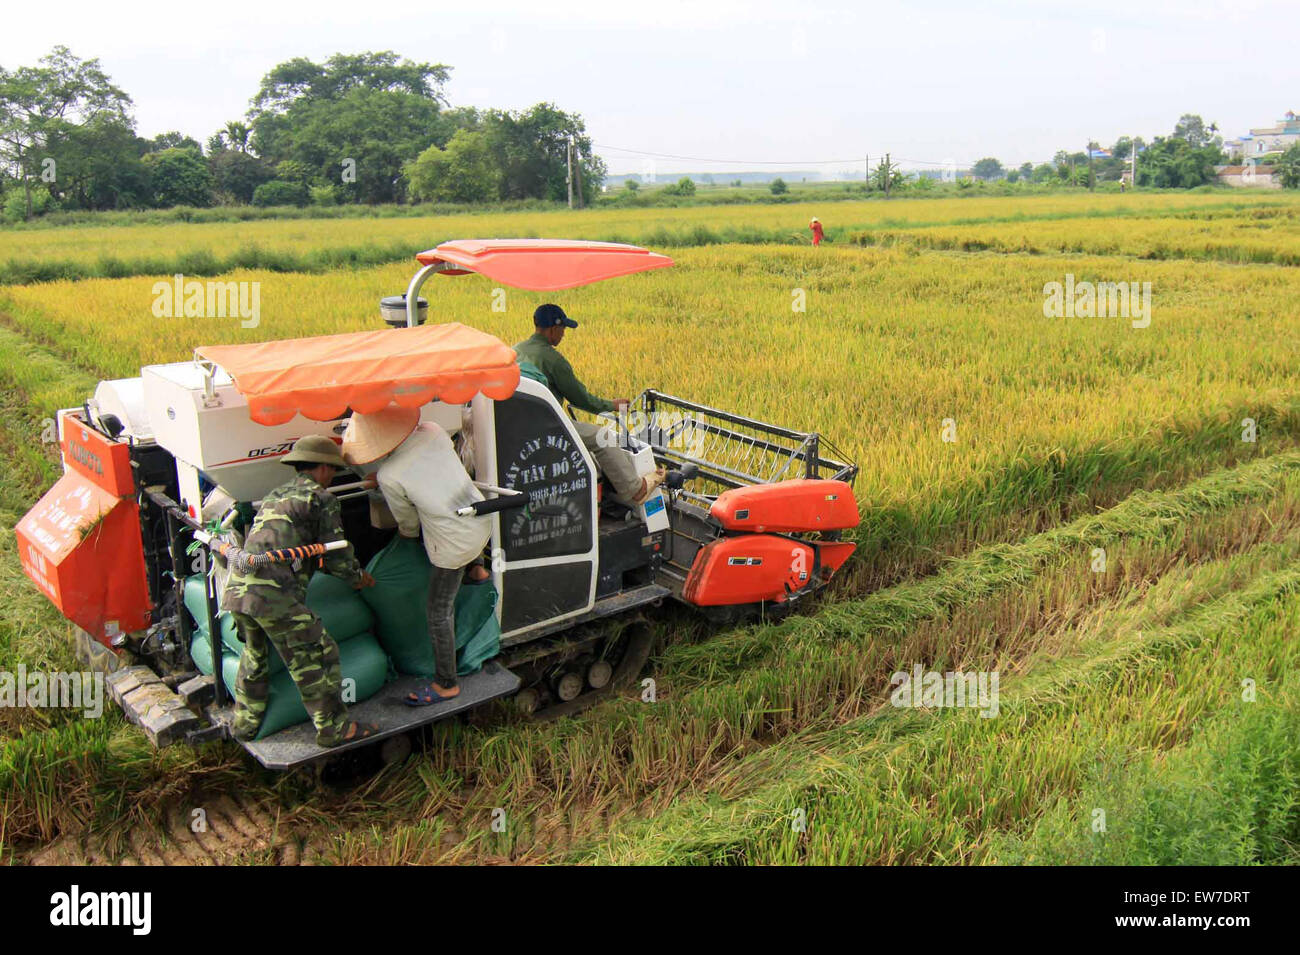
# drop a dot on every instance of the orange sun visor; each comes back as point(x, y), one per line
point(322, 377)
point(543, 265)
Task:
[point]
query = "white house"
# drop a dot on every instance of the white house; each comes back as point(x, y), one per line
point(1268, 139)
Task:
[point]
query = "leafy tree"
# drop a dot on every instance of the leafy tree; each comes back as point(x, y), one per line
point(1173, 163)
point(778, 187)
point(684, 186)
point(1192, 129)
point(1071, 168)
point(889, 171)
point(987, 168)
point(631, 185)
point(277, 192)
point(374, 109)
point(174, 140)
point(1026, 170)
point(98, 166)
point(299, 81)
point(466, 171)
point(236, 175)
point(39, 102)
point(1043, 172)
point(178, 177)
point(16, 204)
point(236, 136)
point(531, 149)
point(324, 196)
point(1288, 167)
point(291, 170)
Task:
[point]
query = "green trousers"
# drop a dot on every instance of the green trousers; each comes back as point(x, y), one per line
point(312, 658)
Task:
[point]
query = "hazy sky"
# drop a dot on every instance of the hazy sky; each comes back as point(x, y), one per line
point(750, 82)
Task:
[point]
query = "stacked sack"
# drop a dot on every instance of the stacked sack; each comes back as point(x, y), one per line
point(399, 600)
point(346, 618)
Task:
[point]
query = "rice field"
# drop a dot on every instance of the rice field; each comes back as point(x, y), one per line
point(998, 449)
point(1265, 235)
point(42, 254)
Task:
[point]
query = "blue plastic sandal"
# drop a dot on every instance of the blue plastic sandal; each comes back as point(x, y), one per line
point(426, 696)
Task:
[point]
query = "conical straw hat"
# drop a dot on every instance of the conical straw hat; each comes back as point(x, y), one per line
point(370, 436)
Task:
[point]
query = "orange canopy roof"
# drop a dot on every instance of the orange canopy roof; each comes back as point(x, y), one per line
point(321, 377)
point(543, 265)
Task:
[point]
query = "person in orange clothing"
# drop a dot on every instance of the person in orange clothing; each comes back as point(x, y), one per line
point(816, 227)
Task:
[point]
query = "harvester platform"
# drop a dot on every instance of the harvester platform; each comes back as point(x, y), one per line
point(296, 745)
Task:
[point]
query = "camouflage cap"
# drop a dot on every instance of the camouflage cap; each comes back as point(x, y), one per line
point(315, 449)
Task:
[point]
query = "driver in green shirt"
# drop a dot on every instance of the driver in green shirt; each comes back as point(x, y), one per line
point(549, 326)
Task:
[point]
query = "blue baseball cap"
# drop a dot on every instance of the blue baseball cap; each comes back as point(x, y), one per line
point(549, 316)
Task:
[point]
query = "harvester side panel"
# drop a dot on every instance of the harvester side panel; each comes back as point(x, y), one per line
point(81, 546)
point(789, 507)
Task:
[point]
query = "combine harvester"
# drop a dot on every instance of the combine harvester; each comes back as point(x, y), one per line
point(749, 519)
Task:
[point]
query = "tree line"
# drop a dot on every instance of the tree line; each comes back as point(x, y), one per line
point(357, 128)
point(1182, 160)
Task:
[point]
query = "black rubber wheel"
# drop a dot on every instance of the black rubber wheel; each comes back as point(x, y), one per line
point(395, 749)
point(636, 640)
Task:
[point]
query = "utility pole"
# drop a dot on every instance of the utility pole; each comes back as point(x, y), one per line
point(1133, 164)
point(568, 178)
point(1091, 180)
point(577, 179)
point(888, 174)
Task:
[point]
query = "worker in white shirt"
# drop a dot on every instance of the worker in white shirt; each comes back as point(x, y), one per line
point(423, 483)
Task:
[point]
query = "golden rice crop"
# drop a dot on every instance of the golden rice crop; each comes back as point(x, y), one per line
point(88, 244)
point(1227, 236)
point(889, 346)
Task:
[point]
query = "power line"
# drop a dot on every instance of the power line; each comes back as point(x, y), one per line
point(733, 162)
point(791, 162)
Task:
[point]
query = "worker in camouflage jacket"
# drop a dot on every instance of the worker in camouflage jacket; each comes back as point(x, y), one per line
point(269, 603)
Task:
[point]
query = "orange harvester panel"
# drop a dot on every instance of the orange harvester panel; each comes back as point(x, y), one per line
point(86, 451)
point(742, 570)
point(81, 546)
point(787, 507)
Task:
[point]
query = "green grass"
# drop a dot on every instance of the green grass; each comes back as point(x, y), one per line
point(910, 786)
point(1227, 797)
point(626, 758)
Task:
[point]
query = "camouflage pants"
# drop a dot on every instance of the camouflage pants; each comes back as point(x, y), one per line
point(310, 655)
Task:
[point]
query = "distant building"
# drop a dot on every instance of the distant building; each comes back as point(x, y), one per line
point(1265, 140)
point(1248, 176)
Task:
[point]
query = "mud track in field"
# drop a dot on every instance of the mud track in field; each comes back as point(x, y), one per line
point(239, 829)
